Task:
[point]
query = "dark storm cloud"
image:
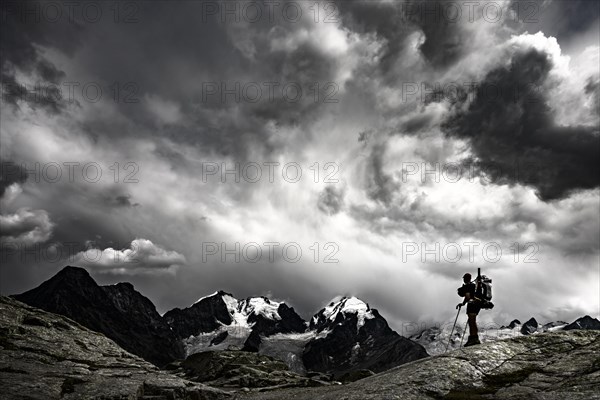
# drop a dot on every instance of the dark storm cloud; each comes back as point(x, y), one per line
point(383, 18)
point(22, 29)
point(393, 21)
point(180, 60)
point(514, 136)
point(443, 39)
point(161, 48)
point(10, 173)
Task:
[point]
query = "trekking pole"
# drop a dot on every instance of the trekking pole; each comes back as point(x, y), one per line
point(452, 331)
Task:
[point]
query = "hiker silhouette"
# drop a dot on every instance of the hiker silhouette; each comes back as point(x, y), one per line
point(472, 293)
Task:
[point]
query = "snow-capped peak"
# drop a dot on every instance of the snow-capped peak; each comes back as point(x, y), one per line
point(244, 316)
point(347, 305)
point(260, 306)
point(240, 310)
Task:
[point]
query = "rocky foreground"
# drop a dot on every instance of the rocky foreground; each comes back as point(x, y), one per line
point(549, 366)
point(47, 356)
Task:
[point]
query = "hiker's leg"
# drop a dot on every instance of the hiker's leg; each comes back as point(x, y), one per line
point(472, 311)
point(472, 324)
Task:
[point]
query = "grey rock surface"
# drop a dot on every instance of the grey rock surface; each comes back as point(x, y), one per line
point(243, 369)
point(548, 366)
point(48, 356)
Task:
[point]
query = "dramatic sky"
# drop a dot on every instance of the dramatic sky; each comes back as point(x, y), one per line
point(396, 144)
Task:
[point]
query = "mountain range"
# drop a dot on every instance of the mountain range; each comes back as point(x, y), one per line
point(346, 335)
point(343, 337)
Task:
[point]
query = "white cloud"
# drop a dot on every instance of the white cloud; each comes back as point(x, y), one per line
point(142, 256)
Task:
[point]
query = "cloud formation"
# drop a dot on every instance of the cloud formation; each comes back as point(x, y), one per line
point(142, 256)
point(25, 227)
point(514, 137)
point(390, 69)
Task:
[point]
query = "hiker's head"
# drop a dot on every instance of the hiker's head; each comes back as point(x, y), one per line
point(467, 277)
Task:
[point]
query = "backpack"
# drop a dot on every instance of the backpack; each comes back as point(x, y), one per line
point(486, 288)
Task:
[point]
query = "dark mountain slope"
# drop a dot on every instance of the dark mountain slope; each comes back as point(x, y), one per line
point(118, 311)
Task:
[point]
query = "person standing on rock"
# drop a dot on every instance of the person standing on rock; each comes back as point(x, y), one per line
point(469, 291)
